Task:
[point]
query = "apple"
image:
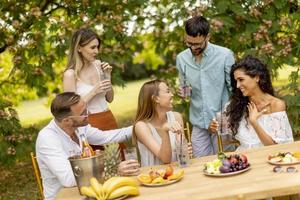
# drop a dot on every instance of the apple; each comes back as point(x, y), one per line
point(169, 171)
point(243, 158)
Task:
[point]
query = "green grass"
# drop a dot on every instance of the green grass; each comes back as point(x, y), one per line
point(123, 106)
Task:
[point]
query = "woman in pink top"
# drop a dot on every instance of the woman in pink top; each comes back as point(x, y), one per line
point(90, 78)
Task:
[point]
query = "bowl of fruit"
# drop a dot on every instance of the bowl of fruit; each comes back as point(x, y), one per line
point(160, 177)
point(227, 165)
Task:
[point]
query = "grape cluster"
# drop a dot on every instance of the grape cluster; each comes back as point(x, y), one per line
point(234, 163)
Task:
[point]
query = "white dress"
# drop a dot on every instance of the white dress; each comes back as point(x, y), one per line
point(276, 125)
point(147, 157)
point(98, 103)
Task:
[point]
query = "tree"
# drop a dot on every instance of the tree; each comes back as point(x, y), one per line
point(36, 34)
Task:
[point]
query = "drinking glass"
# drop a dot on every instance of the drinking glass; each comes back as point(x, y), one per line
point(185, 88)
point(182, 152)
point(130, 153)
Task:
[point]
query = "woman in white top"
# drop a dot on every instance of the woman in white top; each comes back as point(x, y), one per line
point(255, 116)
point(156, 127)
point(90, 78)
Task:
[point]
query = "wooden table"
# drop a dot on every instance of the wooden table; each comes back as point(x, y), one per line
point(257, 183)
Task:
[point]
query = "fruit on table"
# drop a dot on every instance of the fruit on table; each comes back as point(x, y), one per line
point(296, 154)
point(213, 167)
point(176, 175)
point(226, 164)
point(126, 190)
point(169, 172)
point(112, 188)
point(160, 176)
point(88, 191)
point(286, 157)
point(144, 178)
point(158, 180)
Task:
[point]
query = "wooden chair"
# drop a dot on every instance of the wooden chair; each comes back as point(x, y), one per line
point(37, 174)
point(226, 139)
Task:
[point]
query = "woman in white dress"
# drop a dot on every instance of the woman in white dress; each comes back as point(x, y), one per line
point(156, 127)
point(255, 116)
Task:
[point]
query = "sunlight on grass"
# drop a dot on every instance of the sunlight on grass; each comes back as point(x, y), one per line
point(283, 76)
point(123, 106)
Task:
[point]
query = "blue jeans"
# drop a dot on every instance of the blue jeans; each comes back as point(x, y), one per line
point(203, 142)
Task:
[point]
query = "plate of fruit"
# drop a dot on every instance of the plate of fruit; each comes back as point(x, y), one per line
point(160, 177)
point(285, 158)
point(227, 165)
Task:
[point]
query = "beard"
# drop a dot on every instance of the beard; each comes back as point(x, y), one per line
point(199, 50)
point(80, 123)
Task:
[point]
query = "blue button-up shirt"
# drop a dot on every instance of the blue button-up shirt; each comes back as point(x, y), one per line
point(209, 79)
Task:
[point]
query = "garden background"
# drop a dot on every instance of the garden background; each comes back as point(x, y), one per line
point(141, 39)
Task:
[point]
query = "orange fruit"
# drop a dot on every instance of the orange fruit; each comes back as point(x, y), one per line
point(296, 154)
point(144, 178)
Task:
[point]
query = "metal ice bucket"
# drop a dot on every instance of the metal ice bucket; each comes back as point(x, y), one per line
point(86, 168)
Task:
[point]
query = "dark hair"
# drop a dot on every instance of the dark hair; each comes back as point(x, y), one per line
point(61, 105)
point(197, 26)
point(238, 103)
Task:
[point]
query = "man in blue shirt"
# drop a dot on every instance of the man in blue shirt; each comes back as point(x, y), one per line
point(205, 67)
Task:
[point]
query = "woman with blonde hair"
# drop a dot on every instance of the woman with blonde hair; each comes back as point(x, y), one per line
point(90, 78)
point(156, 127)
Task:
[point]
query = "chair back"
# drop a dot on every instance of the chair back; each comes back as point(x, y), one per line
point(37, 174)
point(226, 142)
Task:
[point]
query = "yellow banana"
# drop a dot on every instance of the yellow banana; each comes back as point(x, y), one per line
point(125, 190)
point(97, 187)
point(88, 191)
point(115, 182)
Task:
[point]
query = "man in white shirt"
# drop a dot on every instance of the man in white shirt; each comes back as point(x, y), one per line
point(60, 139)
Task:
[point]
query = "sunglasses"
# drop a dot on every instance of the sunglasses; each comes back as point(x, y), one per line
point(84, 115)
point(279, 169)
point(196, 45)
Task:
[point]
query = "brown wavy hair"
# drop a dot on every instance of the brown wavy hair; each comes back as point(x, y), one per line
point(237, 107)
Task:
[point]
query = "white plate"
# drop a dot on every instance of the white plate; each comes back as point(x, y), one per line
point(227, 174)
point(283, 163)
point(161, 184)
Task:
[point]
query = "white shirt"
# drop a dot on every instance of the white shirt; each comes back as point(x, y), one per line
point(54, 147)
point(276, 125)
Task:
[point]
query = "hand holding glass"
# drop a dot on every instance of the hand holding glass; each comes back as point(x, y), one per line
point(130, 153)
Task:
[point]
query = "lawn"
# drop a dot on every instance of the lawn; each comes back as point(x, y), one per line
point(123, 106)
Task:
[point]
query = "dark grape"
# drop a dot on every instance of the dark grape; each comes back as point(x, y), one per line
point(224, 169)
point(226, 163)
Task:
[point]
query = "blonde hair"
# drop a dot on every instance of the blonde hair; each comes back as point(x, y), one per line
point(80, 38)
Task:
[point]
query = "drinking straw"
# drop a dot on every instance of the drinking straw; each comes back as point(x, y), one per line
point(220, 146)
point(188, 132)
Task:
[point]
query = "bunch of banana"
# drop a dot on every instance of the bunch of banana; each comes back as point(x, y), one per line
point(112, 188)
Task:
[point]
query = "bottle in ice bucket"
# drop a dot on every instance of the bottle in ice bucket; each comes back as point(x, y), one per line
point(87, 150)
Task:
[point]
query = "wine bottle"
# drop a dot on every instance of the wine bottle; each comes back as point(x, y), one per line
point(87, 150)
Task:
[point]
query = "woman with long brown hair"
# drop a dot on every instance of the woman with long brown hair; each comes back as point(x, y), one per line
point(156, 127)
